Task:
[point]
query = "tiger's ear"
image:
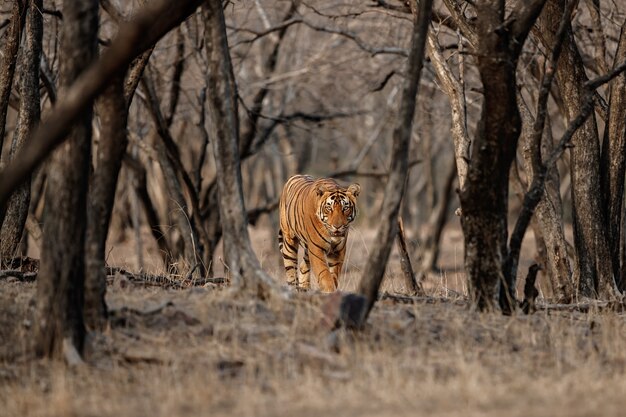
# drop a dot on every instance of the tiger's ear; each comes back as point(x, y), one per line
point(321, 189)
point(354, 189)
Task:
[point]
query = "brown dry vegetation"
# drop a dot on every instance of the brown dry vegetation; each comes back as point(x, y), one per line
point(205, 351)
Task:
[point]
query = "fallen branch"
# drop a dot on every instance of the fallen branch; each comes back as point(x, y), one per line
point(19, 275)
point(162, 280)
point(405, 299)
point(147, 312)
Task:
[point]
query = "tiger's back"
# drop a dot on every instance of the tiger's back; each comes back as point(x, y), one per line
point(315, 214)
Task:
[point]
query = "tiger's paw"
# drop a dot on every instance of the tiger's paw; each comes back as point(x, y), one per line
point(328, 285)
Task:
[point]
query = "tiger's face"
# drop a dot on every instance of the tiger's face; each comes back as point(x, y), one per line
point(337, 208)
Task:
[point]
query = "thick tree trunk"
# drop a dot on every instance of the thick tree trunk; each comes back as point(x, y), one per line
point(548, 212)
point(59, 318)
point(591, 270)
point(484, 199)
point(111, 108)
point(243, 266)
point(29, 114)
point(613, 160)
point(394, 190)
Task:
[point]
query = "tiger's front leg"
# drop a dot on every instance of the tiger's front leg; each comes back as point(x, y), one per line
point(304, 280)
point(326, 280)
point(335, 263)
point(289, 249)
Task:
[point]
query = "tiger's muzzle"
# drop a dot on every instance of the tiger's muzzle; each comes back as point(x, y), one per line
point(337, 231)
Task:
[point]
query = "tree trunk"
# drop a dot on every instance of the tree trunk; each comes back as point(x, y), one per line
point(111, 107)
point(454, 90)
point(29, 114)
point(375, 268)
point(591, 270)
point(9, 59)
point(548, 212)
point(436, 223)
point(613, 163)
point(59, 317)
point(243, 265)
point(484, 199)
point(186, 218)
point(140, 187)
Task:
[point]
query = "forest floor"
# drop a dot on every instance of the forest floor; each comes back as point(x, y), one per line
point(205, 351)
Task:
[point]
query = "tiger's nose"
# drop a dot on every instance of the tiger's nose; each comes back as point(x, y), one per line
point(337, 229)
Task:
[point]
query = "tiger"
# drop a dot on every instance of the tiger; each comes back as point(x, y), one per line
point(315, 214)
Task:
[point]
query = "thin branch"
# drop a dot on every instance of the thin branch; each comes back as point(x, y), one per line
point(372, 50)
point(464, 24)
point(603, 79)
point(260, 34)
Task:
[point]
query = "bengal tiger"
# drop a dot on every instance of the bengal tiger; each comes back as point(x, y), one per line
point(315, 214)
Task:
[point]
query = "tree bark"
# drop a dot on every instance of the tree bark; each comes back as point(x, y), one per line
point(111, 108)
point(454, 90)
point(7, 68)
point(484, 199)
point(394, 190)
point(548, 212)
point(185, 217)
point(29, 114)
point(591, 271)
point(613, 160)
point(59, 322)
point(243, 265)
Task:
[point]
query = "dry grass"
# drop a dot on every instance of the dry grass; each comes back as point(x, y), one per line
point(210, 353)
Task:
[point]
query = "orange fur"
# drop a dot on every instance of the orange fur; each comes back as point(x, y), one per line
point(316, 215)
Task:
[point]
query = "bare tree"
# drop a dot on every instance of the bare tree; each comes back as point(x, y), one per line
point(29, 113)
point(59, 327)
point(612, 165)
point(241, 261)
point(497, 40)
point(593, 274)
point(112, 111)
